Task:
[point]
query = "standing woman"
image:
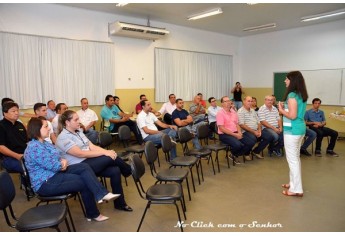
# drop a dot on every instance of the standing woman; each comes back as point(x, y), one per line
point(237, 91)
point(294, 129)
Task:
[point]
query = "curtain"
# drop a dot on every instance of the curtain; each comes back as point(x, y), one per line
point(187, 73)
point(37, 69)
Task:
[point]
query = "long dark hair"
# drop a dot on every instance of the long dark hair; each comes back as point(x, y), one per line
point(297, 85)
point(34, 128)
point(66, 116)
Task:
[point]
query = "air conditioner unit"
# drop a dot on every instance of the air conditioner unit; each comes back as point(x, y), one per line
point(136, 31)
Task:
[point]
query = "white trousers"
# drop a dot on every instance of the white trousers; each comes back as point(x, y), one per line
point(292, 145)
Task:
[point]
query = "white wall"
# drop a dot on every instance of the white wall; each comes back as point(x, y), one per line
point(134, 58)
point(315, 47)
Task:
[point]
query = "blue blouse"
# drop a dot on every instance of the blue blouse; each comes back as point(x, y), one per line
point(42, 161)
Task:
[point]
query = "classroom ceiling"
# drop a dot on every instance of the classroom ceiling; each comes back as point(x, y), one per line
point(235, 17)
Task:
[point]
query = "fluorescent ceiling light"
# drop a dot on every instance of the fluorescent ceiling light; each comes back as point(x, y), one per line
point(121, 4)
point(261, 27)
point(205, 14)
point(323, 15)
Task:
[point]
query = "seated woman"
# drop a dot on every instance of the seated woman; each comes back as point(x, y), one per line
point(50, 175)
point(77, 148)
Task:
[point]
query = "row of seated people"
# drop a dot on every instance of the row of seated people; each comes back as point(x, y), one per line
point(73, 157)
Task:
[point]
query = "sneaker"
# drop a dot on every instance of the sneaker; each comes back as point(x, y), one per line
point(305, 152)
point(247, 158)
point(333, 154)
point(233, 158)
point(318, 153)
point(173, 141)
point(277, 153)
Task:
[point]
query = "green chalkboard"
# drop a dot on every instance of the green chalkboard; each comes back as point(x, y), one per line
point(279, 85)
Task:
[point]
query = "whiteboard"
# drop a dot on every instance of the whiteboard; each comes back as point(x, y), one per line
point(327, 84)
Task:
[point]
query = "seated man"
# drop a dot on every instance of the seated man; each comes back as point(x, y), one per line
point(212, 112)
point(21, 114)
point(111, 113)
point(59, 109)
point(88, 119)
point(310, 136)
point(168, 108)
point(147, 122)
point(51, 113)
point(230, 132)
point(272, 124)
point(117, 103)
point(181, 118)
point(249, 122)
point(138, 107)
point(40, 110)
point(315, 119)
point(196, 110)
point(202, 102)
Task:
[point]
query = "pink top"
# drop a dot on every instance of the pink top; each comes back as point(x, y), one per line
point(228, 119)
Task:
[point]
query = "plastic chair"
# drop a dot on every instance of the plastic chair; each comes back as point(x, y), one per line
point(46, 216)
point(182, 161)
point(167, 175)
point(48, 199)
point(125, 136)
point(156, 194)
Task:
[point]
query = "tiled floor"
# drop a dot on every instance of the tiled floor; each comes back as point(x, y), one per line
point(244, 198)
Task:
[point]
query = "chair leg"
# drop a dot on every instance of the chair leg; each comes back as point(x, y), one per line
point(210, 157)
point(192, 176)
point(217, 160)
point(142, 218)
point(70, 216)
point(67, 225)
point(190, 198)
point(81, 204)
point(179, 217)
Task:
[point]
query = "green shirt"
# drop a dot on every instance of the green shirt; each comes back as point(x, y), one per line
point(297, 125)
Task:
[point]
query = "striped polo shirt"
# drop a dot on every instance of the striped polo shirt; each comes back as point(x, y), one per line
point(271, 116)
point(248, 118)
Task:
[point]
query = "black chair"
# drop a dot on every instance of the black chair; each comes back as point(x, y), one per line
point(60, 198)
point(182, 161)
point(125, 136)
point(203, 132)
point(156, 194)
point(47, 216)
point(167, 175)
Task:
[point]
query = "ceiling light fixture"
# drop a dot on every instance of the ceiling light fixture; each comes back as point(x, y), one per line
point(261, 27)
point(205, 14)
point(323, 15)
point(121, 4)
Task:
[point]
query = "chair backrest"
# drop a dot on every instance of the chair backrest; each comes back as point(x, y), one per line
point(7, 190)
point(167, 145)
point(203, 131)
point(151, 155)
point(184, 135)
point(124, 133)
point(105, 139)
point(138, 170)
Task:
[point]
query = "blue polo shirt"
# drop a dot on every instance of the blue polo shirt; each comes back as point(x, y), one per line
point(314, 116)
point(110, 113)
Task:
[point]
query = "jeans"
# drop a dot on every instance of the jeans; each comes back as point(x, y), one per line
point(292, 147)
point(193, 129)
point(106, 167)
point(311, 136)
point(77, 178)
point(278, 139)
point(238, 104)
point(92, 135)
point(238, 147)
point(264, 140)
point(324, 132)
point(11, 164)
point(157, 139)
